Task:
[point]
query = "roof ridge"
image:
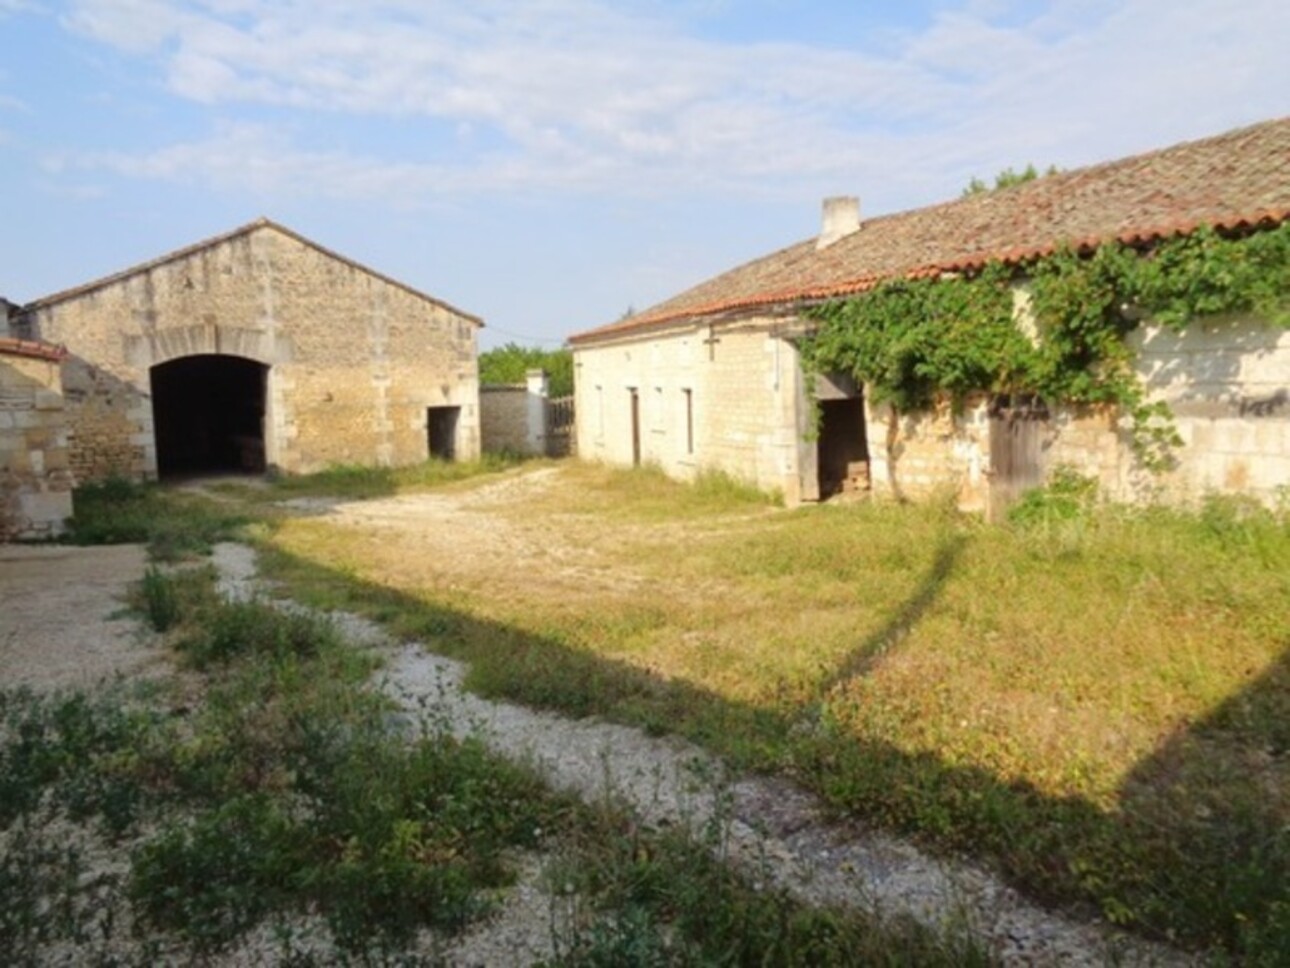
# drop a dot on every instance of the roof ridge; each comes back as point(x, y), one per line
point(261, 222)
point(1135, 199)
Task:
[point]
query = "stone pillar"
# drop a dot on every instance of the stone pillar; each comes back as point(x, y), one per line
point(536, 385)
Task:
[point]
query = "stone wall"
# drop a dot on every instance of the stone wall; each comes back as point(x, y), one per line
point(1227, 382)
point(504, 418)
point(354, 359)
point(942, 453)
point(728, 399)
point(35, 479)
point(513, 416)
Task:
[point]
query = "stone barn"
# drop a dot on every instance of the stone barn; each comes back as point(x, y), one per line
point(258, 350)
point(712, 378)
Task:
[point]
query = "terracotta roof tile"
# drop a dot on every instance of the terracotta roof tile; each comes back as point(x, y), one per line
point(1234, 181)
point(36, 350)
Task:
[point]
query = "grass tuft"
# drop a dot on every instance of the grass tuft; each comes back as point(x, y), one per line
point(174, 525)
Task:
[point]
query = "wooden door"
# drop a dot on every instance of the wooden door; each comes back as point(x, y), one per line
point(636, 428)
point(1017, 427)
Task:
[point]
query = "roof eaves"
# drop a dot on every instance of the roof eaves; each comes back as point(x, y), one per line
point(32, 348)
point(1015, 256)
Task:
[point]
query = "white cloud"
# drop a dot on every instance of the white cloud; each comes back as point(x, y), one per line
point(579, 94)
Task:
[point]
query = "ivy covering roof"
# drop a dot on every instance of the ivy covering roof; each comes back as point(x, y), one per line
point(1234, 181)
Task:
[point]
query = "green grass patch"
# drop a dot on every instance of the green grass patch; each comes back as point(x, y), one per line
point(648, 897)
point(173, 524)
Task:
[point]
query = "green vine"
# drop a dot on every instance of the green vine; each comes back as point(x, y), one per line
point(912, 341)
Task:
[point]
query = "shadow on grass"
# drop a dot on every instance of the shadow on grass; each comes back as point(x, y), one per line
point(904, 618)
point(1162, 862)
point(1220, 789)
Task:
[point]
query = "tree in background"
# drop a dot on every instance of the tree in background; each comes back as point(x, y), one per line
point(1007, 178)
point(510, 363)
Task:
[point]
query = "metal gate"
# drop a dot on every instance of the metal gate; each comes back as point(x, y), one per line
point(1018, 424)
point(560, 427)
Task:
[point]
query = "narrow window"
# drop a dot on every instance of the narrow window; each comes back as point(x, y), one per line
point(689, 421)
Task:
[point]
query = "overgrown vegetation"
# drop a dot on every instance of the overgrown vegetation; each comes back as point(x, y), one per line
point(510, 363)
point(287, 793)
point(283, 799)
point(911, 341)
point(657, 898)
point(1092, 698)
point(1007, 178)
point(173, 524)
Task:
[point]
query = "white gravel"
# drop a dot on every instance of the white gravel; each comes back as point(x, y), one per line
point(775, 830)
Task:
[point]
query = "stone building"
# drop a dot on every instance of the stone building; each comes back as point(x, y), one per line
point(711, 378)
point(254, 350)
point(35, 480)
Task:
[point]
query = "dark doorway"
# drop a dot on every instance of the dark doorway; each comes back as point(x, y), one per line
point(844, 449)
point(441, 432)
point(636, 427)
point(208, 415)
point(1018, 425)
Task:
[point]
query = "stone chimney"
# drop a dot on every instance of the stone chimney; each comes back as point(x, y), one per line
point(8, 311)
point(841, 218)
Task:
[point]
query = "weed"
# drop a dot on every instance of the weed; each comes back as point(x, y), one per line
point(160, 603)
point(1068, 496)
point(162, 598)
point(667, 898)
point(174, 525)
point(239, 629)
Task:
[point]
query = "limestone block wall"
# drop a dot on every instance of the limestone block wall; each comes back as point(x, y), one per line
point(504, 418)
point(943, 452)
point(728, 398)
point(738, 385)
point(1227, 382)
point(35, 477)
point(513, 417)
point(354, 359)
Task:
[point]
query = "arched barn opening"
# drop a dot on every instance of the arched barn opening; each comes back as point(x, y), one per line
point(208, 415)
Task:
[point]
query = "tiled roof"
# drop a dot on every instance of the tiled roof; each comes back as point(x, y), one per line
point(247, 229)
point(36, 350)
point(1233, 181)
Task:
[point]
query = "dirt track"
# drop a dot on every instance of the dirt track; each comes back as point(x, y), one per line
point(61, 622)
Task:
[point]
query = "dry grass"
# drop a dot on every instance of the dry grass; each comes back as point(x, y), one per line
point(1098, 704)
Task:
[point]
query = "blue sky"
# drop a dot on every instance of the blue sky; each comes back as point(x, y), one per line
point(548, 164)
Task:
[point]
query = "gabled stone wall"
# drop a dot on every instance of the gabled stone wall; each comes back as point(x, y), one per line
point(354, 359)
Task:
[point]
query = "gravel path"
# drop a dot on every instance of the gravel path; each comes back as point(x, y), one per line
point(776, 830)
point(62, 621)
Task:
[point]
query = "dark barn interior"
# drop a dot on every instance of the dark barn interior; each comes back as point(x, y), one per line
point(208, 415)
point(844, 449)
point(441, 432)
